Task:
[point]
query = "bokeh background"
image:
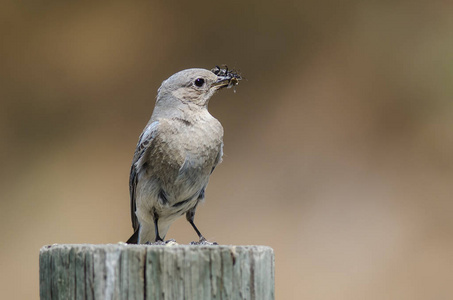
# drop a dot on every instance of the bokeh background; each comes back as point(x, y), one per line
point(338, 146)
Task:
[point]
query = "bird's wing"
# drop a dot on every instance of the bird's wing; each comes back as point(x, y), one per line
point(143, 144)
point(218, 159)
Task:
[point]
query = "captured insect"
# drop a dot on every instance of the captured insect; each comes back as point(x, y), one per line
point(232, 75)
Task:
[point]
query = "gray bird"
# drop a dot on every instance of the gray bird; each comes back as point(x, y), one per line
point(176, 153)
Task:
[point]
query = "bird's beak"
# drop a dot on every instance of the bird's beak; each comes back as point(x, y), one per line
point(225, 81)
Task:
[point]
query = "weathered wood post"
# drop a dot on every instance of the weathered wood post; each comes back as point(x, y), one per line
point(120, 271)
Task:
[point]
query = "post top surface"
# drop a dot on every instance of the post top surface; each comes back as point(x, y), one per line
point(174, 247)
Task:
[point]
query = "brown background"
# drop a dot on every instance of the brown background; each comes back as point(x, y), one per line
point(338, 147)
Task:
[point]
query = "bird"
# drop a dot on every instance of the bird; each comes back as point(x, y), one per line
point(176, 153)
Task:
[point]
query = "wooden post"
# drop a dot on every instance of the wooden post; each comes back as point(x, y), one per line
point(120, 271)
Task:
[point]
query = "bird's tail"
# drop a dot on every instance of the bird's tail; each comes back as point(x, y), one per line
point(134, 238)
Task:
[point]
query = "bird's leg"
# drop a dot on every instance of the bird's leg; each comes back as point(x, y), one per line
point(158, 240)
point(156, 228)
point(190, 215)
point(201, 237)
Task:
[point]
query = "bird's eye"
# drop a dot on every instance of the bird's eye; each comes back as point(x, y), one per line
point(199, 82)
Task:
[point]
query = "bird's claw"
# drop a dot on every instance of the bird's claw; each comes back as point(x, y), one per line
point(203, 241)
point(162, 243)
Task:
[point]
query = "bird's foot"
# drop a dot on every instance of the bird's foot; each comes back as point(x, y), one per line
point(162, 243)
point(203, 241)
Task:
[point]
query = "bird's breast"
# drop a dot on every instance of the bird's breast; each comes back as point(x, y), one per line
point(184, 154)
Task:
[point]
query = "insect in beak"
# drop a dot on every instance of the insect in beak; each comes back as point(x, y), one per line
point(225, 77)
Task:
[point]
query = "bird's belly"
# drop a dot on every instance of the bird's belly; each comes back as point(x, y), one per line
point(171, 197)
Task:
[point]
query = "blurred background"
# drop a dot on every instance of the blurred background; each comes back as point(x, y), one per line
point(338, 146)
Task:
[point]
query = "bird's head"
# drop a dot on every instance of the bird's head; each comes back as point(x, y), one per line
point(196, 86)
